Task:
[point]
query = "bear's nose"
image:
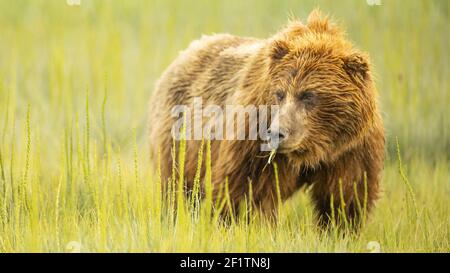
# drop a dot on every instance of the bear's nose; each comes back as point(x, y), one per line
point(280, 133)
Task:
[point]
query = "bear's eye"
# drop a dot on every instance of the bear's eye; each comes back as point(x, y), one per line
point(279, 95)
point(307, 97)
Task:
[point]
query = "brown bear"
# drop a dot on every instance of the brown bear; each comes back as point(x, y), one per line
point(331, 136)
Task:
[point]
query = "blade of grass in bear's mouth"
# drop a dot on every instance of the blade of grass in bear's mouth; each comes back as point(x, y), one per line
point(272, 156)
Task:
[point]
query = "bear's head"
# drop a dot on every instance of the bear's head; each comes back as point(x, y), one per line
point(323, 88)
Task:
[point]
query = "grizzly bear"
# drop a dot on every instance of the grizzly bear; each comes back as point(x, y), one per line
point(331, 136)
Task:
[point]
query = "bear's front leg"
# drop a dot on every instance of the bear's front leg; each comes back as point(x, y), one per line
point(345, 192)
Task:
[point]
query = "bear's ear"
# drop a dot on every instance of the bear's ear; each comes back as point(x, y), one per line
point(357, 67)
point(278, 49)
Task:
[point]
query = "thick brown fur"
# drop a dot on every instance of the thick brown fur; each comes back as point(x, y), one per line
point(341, 151)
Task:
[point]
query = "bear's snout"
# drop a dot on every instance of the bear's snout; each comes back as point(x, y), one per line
point(277, 136)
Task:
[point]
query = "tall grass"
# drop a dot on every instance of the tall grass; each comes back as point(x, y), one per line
point(74, 169)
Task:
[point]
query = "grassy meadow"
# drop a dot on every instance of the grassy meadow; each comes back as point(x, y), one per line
point(74, 86)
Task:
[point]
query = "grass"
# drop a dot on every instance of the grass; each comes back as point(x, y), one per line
point(74, 169)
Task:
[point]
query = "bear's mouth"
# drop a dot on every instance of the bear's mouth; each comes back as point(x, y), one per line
point(292, 150)
point(280, 148)
point(285, 147)
point(284, 150)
